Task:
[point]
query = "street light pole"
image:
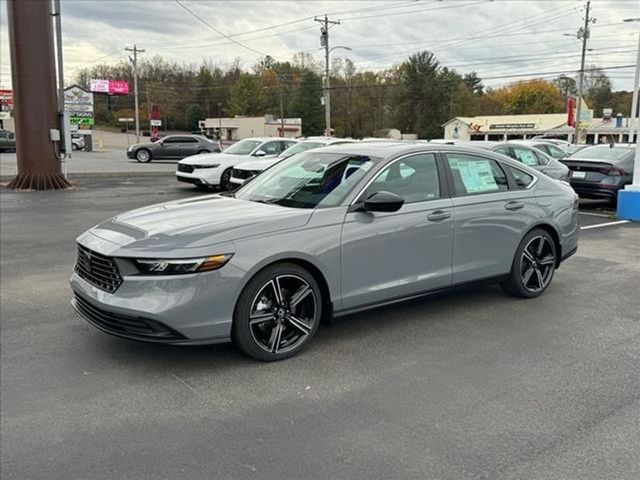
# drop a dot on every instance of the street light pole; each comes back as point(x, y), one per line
point(324, 41)
point(634, 116)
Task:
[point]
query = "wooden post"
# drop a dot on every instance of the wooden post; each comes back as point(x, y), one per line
point(34, 88)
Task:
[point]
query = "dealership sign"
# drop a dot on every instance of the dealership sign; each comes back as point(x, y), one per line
point(512, 126)
point(6, 98)
point(112, 87)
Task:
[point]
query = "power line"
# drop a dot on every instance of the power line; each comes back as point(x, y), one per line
point(202, 20)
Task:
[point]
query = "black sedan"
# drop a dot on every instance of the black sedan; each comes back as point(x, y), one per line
point(172, 147)
point(600, 171)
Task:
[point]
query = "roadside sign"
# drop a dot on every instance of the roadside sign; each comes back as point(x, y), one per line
point(125, 120)
point(77, 96)
point(156, 123)
point(81, 120)
point(112, 87)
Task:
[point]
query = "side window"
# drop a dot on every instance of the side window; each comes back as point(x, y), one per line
point(4, 134)
point(188, 140)
point(475, 175)
point(413, 178)
point(171, 140)
point(522, 179)
point(284, 144)
point(11, 136)
point(503, 149)
point(271, 148)
point(555, 152)
point(524, 155)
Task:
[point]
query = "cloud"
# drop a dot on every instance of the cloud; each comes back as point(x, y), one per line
point(497, 39)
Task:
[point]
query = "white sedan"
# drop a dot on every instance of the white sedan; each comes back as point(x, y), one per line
point(214, 169)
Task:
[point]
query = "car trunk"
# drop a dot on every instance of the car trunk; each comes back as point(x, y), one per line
point(591, 171)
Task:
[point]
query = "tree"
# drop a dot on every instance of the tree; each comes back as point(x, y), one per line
point(474, 83)
point(246, 97)
point(194, 114)
point(307, 105)
point(567, 86)
point(597, 89)
point(531, 96)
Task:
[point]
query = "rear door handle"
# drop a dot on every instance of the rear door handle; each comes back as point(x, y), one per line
point(514, 205)
point(438, 215)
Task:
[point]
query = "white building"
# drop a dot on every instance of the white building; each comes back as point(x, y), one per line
point(507, 127)
point(239, 127)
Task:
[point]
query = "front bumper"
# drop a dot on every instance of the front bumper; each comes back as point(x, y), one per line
point(201, 176)
point(176, 309)
point(131, 154)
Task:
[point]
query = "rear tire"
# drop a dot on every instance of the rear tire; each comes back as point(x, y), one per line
point(533, 265)
point(143, 155)
point(277, 313)
point(200, 152)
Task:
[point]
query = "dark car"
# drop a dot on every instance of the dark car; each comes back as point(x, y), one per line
point(7, 141)
point(172, 147)
point(600, 171)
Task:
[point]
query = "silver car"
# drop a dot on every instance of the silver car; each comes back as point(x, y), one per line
point(324, 233)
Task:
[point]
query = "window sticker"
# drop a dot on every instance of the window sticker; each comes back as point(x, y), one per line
point(477, 175)
point(527, 157)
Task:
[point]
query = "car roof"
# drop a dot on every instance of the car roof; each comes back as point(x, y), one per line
point(267, 139)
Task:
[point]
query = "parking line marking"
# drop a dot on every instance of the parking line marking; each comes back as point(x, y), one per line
point(608, 224)
point(604, 215)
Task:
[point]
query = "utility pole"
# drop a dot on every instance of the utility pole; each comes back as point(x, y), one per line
point(583, 34)
point(134, 60)
point(280, 78)
point(324, 41)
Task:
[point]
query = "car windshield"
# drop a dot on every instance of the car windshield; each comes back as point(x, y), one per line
point(299, 148)
point(243, 147)
point(308, 180)
point(602, 152)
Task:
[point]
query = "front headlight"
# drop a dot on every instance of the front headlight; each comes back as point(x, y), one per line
point(164, 266)
point(213, 165)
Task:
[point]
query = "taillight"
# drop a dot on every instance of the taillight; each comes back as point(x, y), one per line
point(613, 171)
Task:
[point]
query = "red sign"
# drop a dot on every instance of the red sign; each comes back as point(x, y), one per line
point(571, 114)
point(112, 87)
point(6, 97)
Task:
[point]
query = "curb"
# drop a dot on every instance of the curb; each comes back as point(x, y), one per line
point(81, 175)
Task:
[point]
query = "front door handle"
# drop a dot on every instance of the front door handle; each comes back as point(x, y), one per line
point(438, 215)
point(514, 205)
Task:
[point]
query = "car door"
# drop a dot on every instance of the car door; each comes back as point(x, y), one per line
point(490, 216)
point(387, 255)
point(166, 149)
point(187, 146)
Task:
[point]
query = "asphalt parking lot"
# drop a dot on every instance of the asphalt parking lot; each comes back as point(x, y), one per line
point(471, 384)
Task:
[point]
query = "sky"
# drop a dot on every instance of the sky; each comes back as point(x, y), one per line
point(502, 40)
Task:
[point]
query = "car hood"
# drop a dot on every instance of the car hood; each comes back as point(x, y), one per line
point(258, 165)
point(190, 227)
point(207, 158)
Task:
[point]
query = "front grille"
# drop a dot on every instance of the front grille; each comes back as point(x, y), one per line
point(185, 168)
point(242, 174)
point(126, 325)
point(97, 269)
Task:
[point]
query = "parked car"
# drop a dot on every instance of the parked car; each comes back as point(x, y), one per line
point(324, 233)
point(571, 149)
point(530, 156)
point(7, 141)
point(77, 142)
point(172, 147)
point(215, 170)
point(600, 171)
point(249, 169)
point(546, 146)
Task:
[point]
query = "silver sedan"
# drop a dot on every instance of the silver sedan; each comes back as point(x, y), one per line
point(324, 233)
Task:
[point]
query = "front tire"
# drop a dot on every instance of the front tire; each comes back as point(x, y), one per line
point(533, 265)
point(225, 180)
point(143, 155)
point(278, 313)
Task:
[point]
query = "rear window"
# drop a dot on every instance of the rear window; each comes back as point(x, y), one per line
point(602, 152)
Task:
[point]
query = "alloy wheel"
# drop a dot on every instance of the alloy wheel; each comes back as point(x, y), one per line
point(282, 314)
point(537, 264)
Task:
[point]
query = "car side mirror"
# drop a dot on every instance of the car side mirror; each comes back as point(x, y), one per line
point(260, 153)
point(383, 202)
